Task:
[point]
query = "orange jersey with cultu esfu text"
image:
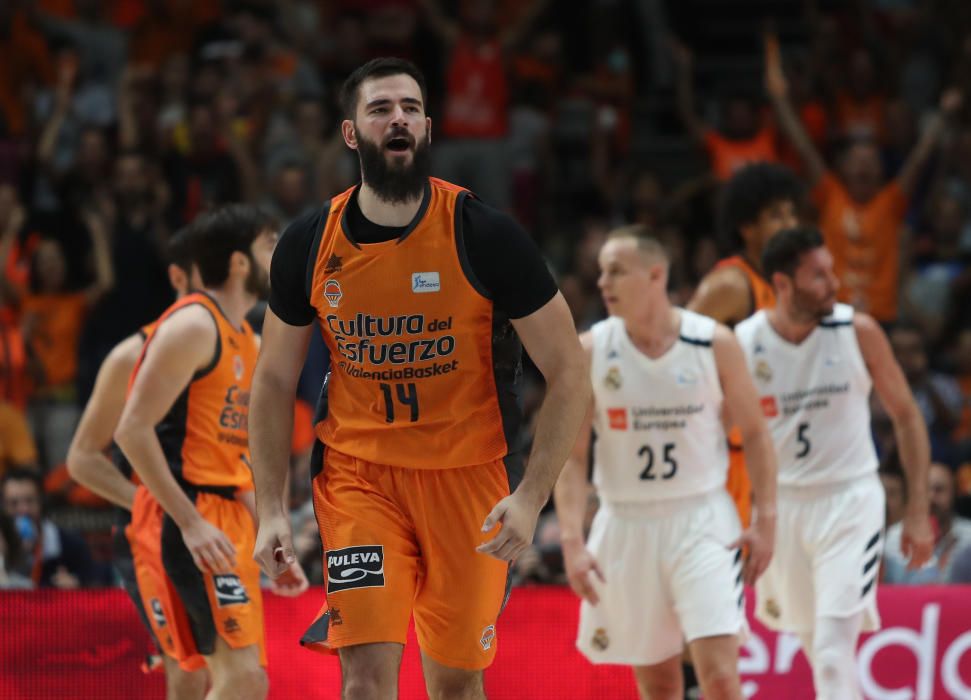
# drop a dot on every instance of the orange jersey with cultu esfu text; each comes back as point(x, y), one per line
point(421, 367)
point(205, 435)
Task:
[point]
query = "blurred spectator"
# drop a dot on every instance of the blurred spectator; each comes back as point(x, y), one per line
point(860, 105)
point(55, 557)
point(290, 194)
point(25, 64)
point(102, 47)
point(475, 123)
point(961, 566)
point(743, 135)
point(936, 263)
point(11, 556)
point(861, 216)
point(17, 448)
point(894, 487)
point(53, 317)
point(952, 535)
point(937, 395)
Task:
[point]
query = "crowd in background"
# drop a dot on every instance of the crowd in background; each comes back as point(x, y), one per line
point(121, 120)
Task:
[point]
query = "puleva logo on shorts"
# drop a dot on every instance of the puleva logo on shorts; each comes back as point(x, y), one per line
point(229, 590)
point(332, 292)
point(157, 612)
point(355, 567)
point(425, 282)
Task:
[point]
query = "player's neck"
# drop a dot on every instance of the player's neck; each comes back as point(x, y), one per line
point(789, 327)
point(655, 329)
point(234, 303)
point(752, 255)
point(384, 213)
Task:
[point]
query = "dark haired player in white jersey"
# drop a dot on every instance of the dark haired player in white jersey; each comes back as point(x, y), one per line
point(663, 563)
point(814, 363)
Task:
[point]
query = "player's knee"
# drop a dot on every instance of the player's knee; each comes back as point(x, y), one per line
point(185, 685)
point(456, 686)
point(246, 683)
point(833, 674)
point(720, 683)
point(363, 686)
point(659, 686)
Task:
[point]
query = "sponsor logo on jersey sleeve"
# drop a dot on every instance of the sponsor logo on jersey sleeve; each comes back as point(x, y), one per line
point(355, 567)
point(769, 406)
point(425, 282)
point(333, 293)
point(157, 612)
point(617, 418)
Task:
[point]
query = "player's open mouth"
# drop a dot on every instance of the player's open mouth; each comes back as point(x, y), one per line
point(398, 144)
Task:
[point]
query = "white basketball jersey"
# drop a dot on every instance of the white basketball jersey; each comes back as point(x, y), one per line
point(659, 433)
point(815, 397)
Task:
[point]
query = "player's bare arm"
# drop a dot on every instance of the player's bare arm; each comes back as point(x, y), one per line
point(570, 496)
point(548, 335)
point(777, 87)
point(742, 403)
point(182, 345)
point(271, 425)
point(86, 460)
point(724, 295)
point(917, 540)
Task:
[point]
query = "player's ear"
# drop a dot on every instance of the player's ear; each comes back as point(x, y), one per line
point(428, 129)
point(349, 132)
point(239, 263)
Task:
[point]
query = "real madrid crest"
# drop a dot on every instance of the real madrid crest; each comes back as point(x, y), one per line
point(600, 640)
point(762, 371)
point(612, 380)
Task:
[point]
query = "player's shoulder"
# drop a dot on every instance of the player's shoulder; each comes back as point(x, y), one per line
point(843, 315)
point(485, 220)
point(750, 325)
point(724, 293)
point(696, 328)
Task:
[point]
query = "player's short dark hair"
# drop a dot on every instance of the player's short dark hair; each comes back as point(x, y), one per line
point(785, 249)
point(217, 234)
point(377, 68)
point(750, 190)
point(179, 250)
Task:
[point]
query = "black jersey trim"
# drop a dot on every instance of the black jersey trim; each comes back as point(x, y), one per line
point(314, 252)
point(419, 215)
point(834, 324)
point(695, 341)
point(460, 249)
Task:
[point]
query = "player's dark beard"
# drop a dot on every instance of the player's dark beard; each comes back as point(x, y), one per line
point(258, 282)
point(394, 184)
point(808, 308)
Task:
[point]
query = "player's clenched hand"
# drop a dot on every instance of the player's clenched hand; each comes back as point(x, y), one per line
point(917, 540)
point(518, 516)
point(211, 550)
point(759, 542)
point(580, 566)
point(274, 544)
point(291, 582)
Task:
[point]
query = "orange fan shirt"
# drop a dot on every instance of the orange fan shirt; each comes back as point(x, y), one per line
point(728, 155)
point(205, 435)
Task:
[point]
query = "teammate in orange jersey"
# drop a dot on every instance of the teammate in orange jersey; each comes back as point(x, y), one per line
point(88, 464)
point(184, 429)
point(759, 201)
point(423, 294)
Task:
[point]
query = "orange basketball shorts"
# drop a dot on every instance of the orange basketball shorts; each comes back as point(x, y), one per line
point(402, 542)
point(225, 603)
point(162, 608)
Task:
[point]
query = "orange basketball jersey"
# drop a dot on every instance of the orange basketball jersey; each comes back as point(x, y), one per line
point(738, 484)
point(205, 435)
point(763, 296)
point(421, 367)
